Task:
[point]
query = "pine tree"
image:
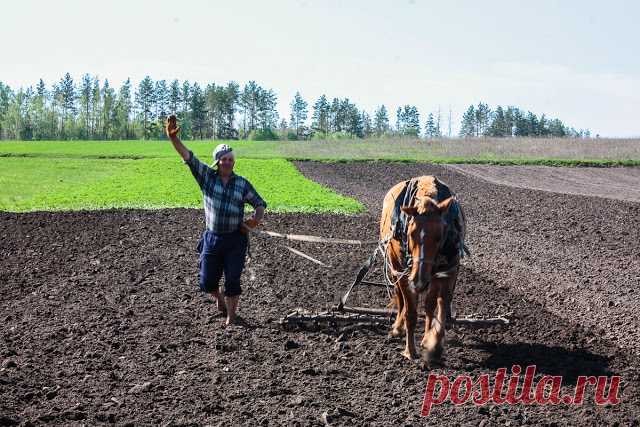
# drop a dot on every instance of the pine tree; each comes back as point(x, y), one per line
point(174, 97)
point(96, 105)
point(5, 98)
point(510, 121)
point(482, 119)
point(431, 130)
point(408, 123)
point(249, 107)
point(67, 94)
point(144, 102)
point(231, 100)
point(520, 124)
point(321, 115)
point(557, 128)
point(107, 110)
point(498, 126)
point(198, 111)
point(124, 108)
point(267, 112)
point(543, 126)
point(298, 114)
point(14, 116)
point(85, 92)
point(161, 105)
point(532, 125)
point(336, 116)
point(212, 109)
point(367, 126)
point(185, 98)
point(381, 121)
point(468, 125)
point(355, 126)
point(39, 106)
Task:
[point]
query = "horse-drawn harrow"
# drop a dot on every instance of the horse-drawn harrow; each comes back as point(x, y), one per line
point(342, 313)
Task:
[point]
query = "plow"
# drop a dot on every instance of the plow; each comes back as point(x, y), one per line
point(342, 313)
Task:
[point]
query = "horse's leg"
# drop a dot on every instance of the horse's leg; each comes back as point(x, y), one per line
point(397, 329)
point(410, 319)
point(433, 341)
point(429, 309)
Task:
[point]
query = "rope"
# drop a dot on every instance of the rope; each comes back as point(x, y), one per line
point(315, 239)
point(382, 247)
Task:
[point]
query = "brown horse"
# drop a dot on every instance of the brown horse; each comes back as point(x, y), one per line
point(424, 228)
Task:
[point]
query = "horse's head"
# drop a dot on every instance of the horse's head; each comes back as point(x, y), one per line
point(425, 237)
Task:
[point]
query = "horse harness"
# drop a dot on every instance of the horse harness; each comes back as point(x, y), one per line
point(452, 247)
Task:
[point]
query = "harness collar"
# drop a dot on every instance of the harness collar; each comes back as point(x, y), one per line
point(400, 225)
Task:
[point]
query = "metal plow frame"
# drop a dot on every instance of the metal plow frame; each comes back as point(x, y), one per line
point(342, 313)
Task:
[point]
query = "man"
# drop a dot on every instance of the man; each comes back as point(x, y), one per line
point(223, 245)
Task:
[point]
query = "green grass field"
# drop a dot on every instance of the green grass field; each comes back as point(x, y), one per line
point(40, 183)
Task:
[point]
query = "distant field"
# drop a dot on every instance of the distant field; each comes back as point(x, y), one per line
point(488, 151)
point(39, 183)
point(66, 175)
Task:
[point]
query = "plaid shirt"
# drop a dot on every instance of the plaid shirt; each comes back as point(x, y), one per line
point(223, 205)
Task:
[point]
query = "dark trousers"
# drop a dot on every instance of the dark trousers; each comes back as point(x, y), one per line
point(222, 253)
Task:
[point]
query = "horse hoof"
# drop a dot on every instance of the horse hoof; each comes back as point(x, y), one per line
point(409, 355)
point(435, 355)
point(428, 343)
point(396, 333)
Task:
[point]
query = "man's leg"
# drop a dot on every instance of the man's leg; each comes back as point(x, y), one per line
point(220, 303)
point(233, 266)
point(211, 268)
point(232, 306)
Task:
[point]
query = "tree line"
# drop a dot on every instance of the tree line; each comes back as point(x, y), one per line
point(94, 110)
point(511, 121)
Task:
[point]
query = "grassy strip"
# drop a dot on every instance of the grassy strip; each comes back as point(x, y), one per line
point(33, 184)
point(498, 162)
point(506, 151)
point(603, 163)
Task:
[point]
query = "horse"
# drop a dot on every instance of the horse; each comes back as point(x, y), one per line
point(423, 228)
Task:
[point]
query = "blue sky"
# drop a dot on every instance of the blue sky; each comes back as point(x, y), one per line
point(575, 60)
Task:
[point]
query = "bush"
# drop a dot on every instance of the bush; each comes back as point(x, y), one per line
point(263, 135)
point(340, 135)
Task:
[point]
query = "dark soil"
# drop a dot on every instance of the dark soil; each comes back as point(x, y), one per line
point(102, 321)
point(620, 183)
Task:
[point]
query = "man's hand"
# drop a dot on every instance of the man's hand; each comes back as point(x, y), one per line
point(172, 128)
point(172, 131)
point(248, 225)
point(251, 223)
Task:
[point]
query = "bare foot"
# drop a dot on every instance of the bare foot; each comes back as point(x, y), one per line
point(221, 307)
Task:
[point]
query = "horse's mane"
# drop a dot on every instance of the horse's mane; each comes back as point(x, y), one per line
point(426, 205)
point(425, 194)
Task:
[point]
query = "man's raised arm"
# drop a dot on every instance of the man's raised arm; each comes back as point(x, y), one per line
point(172, 131)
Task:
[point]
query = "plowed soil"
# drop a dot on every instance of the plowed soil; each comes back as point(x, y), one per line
point(622, 183)
point(102, 321)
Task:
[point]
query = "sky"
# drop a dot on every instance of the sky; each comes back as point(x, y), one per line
point(574, 60)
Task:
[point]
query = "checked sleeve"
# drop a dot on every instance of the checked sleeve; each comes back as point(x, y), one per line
point(198, 169)
point(252, 197)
